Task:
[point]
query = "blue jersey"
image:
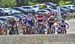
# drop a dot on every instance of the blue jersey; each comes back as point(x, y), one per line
point(25, 21)
point(63, 25)
point(30, 21)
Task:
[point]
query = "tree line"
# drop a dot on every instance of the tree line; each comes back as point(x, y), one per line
point(13, 3)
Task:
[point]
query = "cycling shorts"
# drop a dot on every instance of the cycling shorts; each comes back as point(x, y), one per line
point(40, 20)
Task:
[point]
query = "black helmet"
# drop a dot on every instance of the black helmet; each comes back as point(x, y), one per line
point(62, 20)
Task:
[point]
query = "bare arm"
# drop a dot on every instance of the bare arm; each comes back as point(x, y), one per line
point(67, 25)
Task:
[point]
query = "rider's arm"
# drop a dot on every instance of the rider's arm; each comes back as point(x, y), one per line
point(67, 25)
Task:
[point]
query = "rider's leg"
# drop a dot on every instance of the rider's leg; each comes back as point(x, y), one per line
point(65, 31)
point(46, 32)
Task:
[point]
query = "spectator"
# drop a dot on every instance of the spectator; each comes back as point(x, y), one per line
point(59, 18)
point(68, 14)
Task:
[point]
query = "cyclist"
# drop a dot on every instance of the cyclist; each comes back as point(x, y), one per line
point(39, 19)
point(51, 22)
point(64, 26)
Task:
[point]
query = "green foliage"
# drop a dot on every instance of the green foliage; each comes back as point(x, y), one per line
point(32, 3)
point(8, 3)
point(64, 2)
point(12, 3)
point(42, 6)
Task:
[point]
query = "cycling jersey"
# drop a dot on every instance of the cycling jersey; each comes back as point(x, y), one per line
point(25, 21)
point(39, 18)
point(51, 21)
point(30, 21)
point(52, 14)
point(63, 25)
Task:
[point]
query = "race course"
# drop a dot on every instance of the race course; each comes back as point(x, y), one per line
point(71, 30)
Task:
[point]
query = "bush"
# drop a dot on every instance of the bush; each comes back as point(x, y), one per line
point(32, 3)
point(8, 3)
point(61, 3)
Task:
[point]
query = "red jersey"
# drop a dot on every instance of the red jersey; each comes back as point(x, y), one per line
point(39, 17)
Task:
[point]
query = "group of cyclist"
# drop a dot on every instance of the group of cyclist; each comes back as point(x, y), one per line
point(39, 23)
point(43, 24)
